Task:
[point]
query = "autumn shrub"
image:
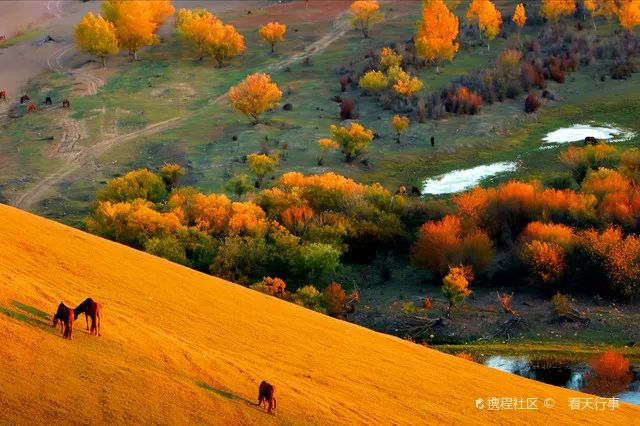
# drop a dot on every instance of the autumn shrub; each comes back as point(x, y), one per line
point(309, 297)
point(348, 109)
point(582, 159)
point(610, 261)
point(334, 297)
point(561, 304)
point(409, 308)
point(531, 103)
point(137, 184)
point(555, 233)
point(461, 100)
point(547, 261)
point(445, 242)
point(455, 285)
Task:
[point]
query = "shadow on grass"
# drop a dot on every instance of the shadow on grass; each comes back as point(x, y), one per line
point(27, 314)
point(225, 394)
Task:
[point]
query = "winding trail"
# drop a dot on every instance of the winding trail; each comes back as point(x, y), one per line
point(83, 157)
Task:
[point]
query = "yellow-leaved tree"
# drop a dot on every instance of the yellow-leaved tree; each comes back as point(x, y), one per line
point(373, 81)
point(365, 13)
point(489, 19)
point(553, 10)
point(195, 27)
point(455, 285)
point(273, 33)
point(406, 84)
point(260, 165)
point(389, 58)
point(253, 96)
point(208, 34)
point(354, 140)
point(96, 36)
point(629, 14)
point(437, 32)
point(400, 124)
point(225, 42)
point(136, 21)
point(519, 17)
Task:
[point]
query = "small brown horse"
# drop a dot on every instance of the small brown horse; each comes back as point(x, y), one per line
point(32, 107)
point(3, 94)
point(24, 98)
point(90, 309)
point(66, 316)
point(267, 395)
point(66, 103)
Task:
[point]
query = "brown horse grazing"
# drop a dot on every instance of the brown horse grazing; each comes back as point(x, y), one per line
point(267, 394)
point(66, 316)
point(24, 98)
point(66, 103)
point(3, 94)
point(90, 309)
point(32, 107)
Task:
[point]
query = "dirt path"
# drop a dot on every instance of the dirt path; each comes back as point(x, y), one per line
point(84, 157)
point(87, 156)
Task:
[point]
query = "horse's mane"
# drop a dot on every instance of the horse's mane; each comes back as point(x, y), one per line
point(82, 308)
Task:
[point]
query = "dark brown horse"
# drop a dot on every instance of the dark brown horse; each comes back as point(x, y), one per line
point(24, 98)
point(90, 309)
point(66, 103)
point(267, 395)
point(3, 94)
point(66, 316)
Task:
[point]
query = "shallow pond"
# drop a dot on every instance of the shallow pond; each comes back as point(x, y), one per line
point(565, 374)
point(459, 180)
point(578, 132)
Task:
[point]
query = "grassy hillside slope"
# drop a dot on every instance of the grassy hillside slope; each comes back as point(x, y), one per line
point(182, 347)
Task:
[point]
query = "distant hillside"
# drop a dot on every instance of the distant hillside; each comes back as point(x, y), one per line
point(182, 347)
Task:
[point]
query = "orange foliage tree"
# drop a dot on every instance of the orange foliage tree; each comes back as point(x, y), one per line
point(224, 42)
point(546, 260)
point(442, 243)
point(136, 21)
point(334, 297)
point(488, 17)
point(365, 13)
point(326, 145)
point(629, 15)
point(437, 33)
point(96, 36)
point(406, 84)
point(613, 259)
point(254, 95)
point(273, 33)
point(553, 10)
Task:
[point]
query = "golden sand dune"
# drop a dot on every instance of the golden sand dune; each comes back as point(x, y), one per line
point(182, 347)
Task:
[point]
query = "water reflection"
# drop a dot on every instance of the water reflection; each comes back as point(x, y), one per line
point(576, 376)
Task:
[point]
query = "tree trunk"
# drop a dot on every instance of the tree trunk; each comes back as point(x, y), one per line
point(104, 62)
point(272, 47)
point(135, 55)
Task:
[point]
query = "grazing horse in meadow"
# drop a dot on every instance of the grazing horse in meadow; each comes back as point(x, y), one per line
point(267, 395)
point(24, 98)
point(3, 94)
point(66, 103)
point(90, 309)
point(32, 107)
point(66, 316)
point(48, 101)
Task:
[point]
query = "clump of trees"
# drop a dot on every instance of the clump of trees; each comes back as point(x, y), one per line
point(208, 35)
